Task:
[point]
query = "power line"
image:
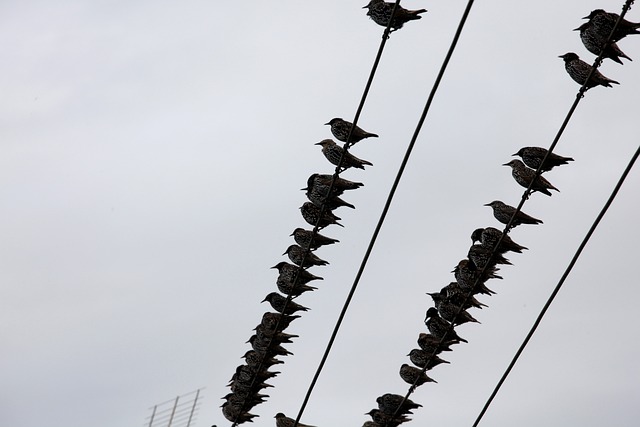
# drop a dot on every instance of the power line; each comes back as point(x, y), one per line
point(389, 197)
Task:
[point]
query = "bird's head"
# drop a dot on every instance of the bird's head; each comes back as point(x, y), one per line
point(569, 56)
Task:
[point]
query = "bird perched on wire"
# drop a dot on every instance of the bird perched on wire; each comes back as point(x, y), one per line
point(524, 176)
point(311, 214)
point(453, 292)
point(277, 321)
point(449, 311)
point(439, 327)
point(322, 182)
point(283, 421)
point(431, 344)
point(412, 375)
point(422, 358)
point(235, 414)
point(467, 274)
point(300, 256)
point(594, 41)
point(489, 238)
point(277, 302)
point(380, 12)
point(333, 152)
point(307, 239)
point(605, 21)
point(254, 360)
point(578, 70)
point(503, 213)
point(481, 256)
point(390, 403)
point(340, 129)
point(288, 272)
point(387, 420)
point(318, 197)
point(533, 156)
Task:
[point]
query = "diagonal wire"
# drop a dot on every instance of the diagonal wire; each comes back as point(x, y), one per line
point(387, 203)
point(525, 197)
point(572, 263)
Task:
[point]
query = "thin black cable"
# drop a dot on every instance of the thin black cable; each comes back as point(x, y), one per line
point(573, 261)
point(525, 197)
point(387, 203)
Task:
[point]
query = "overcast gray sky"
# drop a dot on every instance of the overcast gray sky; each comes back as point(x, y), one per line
point(152, 156)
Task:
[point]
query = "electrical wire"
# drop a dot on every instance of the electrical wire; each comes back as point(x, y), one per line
point(387, 203)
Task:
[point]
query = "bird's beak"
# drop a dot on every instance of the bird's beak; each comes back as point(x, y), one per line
point(506, 164)
point(293, 233)
point(487, 204)
point(263, 300)
point(303, 189)
point(561, 56)
point(318, 143)
point(285, 252)
point(515, 154)
point(330, 123)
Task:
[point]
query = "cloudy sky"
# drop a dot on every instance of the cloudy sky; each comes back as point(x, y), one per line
point(152, 156)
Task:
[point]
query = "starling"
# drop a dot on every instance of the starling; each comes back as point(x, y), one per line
point(245, 374)
point(480, 256)
point(267, 347)
point(453, 293)
point(489, 237)
point(289, 272)
point(429, 343)
point(235, 414)
point(300, 256)
point(387, 420)
point(323, 181)
point(244, 400)
point(265, 334)
point(254, 360)
point(440, 327)
point(340, 129)
point(380, 12)
point(276, 321)
point(277, 301)
point(605, 21)
point(594, 42)
point(307, 239)
point(532, 157)
point(467, 274)
point(284, 421)
point(311, 214)
point(411, 374)
point(288, 288)
point(579, 70)
point(333, 152)
point(422, 358)
point(390, 403)
point(450, 311)
point(503, 213)
point(524, 175)
point(318, 196)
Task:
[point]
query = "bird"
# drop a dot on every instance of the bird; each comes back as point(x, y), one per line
point(303, 257)
point(254, 360)
point(246, 374)
point(387, 420)
point(380, 12)
point(283, 421)
point(503, 213)
point(430, 343)
point(524, 176)
point(533, 156)
point(412, 375)
point(323, 182)
point(439, 327)
point(277, 302)
point(333, 152)
point(288, 288)
point(450, 311)
point(340, 129)
point(235, 414)
point(311, 214)
point(245, 400)
point(469, 279)
point(490, 236)
point(605, 21)
point(481, 256)
point(267, 347)
point(277, 321)
point(274, 336)
point(289, 272)
point(594, 41)
point(422, 358)
point(389, 403)
point(307, 239)
point(453, 292)
point(318, 196)
point(579, 70)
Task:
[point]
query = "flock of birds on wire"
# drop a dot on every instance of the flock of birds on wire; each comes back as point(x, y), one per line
point(451, 303)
